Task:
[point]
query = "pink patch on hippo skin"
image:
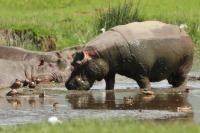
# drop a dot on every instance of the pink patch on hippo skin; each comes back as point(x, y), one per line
point(86, 55)
point(69, 56)
point(90, 51)
point(81, 62)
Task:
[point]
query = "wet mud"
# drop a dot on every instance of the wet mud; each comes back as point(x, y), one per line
point(126, 101)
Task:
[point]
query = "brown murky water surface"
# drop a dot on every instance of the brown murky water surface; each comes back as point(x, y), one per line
point(165, 104)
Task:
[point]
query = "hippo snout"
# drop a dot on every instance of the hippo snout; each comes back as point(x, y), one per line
point(77, 84)
point(70, 86)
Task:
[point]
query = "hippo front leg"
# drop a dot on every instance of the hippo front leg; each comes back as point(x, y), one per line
point(110, 81)
point(144, 83)
point(145, 86)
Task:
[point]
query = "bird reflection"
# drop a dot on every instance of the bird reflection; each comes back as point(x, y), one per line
point(18, 102)
point(14, 102)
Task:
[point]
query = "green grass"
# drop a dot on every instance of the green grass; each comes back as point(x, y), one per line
point(75, 22)
point(124, 13)
point(105, 126)
point(71, 21)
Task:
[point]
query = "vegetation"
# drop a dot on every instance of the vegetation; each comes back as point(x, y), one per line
point(105, 126)
point(69, 20)
point(124, 13)
point(73, 22)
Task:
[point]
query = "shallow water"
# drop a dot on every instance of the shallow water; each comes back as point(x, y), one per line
point(166, 104)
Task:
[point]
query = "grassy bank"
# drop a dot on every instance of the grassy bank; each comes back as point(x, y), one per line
point(71, 21)
point(102, 126)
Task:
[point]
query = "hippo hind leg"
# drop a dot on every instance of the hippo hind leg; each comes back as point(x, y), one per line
point(177, 79)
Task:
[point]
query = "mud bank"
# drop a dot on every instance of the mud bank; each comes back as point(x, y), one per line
point(27, 39)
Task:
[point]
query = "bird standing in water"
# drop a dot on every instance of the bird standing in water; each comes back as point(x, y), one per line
point(16, 85)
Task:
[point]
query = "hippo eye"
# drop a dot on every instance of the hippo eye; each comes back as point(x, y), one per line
point(50, 65)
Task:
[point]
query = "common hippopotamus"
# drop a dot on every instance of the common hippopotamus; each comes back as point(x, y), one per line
point(20, 54)
point(148, 51)
point(22, 70)
point(58, 63)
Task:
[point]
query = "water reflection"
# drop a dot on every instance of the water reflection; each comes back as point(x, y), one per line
point(20, 102)
point(98, 103)
point(14, 102)
point(111, 100)
point(127, 100)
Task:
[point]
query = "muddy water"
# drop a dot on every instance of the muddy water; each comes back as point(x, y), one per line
point(167, 103)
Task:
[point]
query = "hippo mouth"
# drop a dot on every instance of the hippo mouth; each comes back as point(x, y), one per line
point(46, 78)
point(78, 84)
point(56, 77)
point(75, 87)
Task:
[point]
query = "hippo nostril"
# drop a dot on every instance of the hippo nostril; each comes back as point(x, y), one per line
point(70, 86)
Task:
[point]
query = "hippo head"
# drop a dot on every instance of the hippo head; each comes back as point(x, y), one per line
point(86, 70)
point(57, 71)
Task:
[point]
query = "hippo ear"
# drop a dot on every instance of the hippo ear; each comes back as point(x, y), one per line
point(97, 68)
point(58, 55)
point(91, 52)
point(41, 62)
point(77, 58)
point(87, 54)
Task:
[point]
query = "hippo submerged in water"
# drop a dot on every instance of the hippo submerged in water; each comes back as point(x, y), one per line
point(20, 54)
point(21, 70)
point(18, 63)
point(148, 51)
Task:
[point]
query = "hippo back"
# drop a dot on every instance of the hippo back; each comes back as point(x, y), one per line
point(124, 42)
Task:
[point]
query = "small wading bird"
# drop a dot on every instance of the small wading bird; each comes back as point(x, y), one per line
point(13, 92)
point(26, 82)
point(32, 84)
point(38, 80)
point(16, 85)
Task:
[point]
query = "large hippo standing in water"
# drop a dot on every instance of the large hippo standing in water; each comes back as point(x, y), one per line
point(147, 52)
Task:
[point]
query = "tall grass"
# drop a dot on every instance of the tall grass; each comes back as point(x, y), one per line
point(123, 13)
point(71, 21)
